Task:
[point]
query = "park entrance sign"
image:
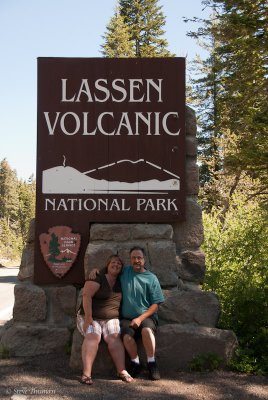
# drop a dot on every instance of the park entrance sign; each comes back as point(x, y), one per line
point(110, 145)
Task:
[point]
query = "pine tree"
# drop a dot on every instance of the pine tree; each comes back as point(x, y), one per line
point(204, 95)
point(117, 38)
point(145, 20)
point(26, 211)
point(238, 70)
point(10, 239)
point(17, 205)
point(8, 193)
point(10, 242)
point(242, 31)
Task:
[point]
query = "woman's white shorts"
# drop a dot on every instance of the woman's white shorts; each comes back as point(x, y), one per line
point(103, 327)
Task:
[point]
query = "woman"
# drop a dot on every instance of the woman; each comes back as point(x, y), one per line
point(101, 303)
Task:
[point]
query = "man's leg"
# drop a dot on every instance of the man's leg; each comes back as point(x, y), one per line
point(130, 344)
point(128, 334)
point(148, 340)
point(148, 330)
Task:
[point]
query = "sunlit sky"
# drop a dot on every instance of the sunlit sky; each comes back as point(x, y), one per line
point(60, 28)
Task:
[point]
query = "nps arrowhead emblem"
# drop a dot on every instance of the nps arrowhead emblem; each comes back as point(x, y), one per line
point(60, 248)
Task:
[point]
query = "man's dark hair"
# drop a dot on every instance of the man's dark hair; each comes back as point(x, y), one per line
point(137, 248)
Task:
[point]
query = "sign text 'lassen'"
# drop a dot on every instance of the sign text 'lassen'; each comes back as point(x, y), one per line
point(118, 91)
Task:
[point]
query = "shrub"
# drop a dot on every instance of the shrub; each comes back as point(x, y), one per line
point(236, 259)
point(206, 362)
point(4, 352)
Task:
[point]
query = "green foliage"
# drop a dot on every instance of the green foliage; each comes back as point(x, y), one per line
point(252, 353)
point(17, 207)
point(4, 352)
point(206, 362)
point(236, 251)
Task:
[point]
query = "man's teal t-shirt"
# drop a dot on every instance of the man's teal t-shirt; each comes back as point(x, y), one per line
point(140, 291)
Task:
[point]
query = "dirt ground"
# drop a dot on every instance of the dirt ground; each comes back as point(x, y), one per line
point(50, 377)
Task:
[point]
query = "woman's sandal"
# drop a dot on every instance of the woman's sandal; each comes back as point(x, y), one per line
point(125, 377)
point(86, 380)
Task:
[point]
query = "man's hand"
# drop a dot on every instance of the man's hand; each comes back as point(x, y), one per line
point(93, 273)
point(135, 323)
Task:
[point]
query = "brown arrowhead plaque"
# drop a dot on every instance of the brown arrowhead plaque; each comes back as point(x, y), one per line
point(60, 248)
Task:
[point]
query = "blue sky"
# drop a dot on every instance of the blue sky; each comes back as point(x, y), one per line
point(59, 28)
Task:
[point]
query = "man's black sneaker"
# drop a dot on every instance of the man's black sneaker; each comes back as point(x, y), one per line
point(154, 373)
point(134, 369)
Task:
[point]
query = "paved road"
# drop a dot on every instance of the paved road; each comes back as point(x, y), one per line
point(8, 279)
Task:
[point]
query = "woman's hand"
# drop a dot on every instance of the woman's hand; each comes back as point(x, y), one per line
point(88, 321)
point(89, 290)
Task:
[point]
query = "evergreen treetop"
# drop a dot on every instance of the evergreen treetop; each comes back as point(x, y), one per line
point(145, 20)
point(117, 40)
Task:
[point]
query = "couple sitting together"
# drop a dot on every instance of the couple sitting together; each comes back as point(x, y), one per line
point(132, 294)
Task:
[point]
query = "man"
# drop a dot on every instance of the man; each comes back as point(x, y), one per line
point(142, 295)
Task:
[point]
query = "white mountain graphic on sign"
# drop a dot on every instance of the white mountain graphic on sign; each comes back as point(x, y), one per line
point(69, 180)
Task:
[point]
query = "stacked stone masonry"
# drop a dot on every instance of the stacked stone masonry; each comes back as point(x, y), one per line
point(44, 316)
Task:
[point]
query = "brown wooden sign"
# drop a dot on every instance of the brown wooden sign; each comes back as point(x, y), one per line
point(111, 144)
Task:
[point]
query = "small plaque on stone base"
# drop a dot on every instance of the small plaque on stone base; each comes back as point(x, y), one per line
point(60, 247)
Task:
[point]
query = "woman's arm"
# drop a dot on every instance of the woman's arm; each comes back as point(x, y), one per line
point(89, 290)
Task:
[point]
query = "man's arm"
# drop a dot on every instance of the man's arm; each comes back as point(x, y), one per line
point(135, 323)
point(94, 272)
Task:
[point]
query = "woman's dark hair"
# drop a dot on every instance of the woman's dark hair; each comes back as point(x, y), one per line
point(109, 259)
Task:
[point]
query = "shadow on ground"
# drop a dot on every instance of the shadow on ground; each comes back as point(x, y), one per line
point(50, 377)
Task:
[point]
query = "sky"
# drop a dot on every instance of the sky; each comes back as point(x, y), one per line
point(60, 28)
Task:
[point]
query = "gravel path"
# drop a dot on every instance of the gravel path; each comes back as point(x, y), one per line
point(50, 377)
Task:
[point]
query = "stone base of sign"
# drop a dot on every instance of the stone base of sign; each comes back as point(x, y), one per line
point(31, 339)
point(172, 267)
point(177, 345)
point(43, 319)
point(50, 305)
point(26, 271)
point(44, 316)
point(189, 307)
